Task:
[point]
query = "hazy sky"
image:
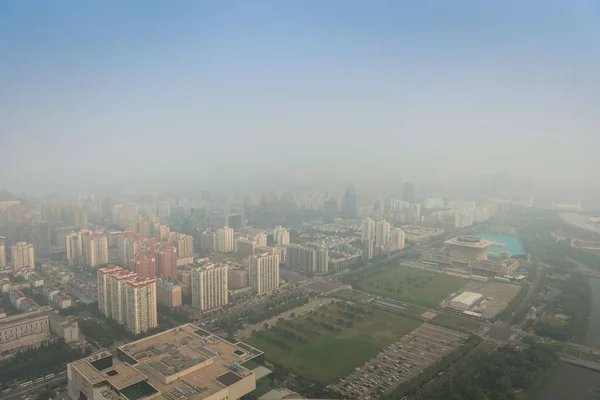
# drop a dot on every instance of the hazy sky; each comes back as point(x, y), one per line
point(310, 90)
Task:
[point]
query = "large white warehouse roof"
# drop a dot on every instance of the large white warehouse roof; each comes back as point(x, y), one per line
point(467, 298)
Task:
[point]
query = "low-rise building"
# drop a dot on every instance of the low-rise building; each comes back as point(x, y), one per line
point(183, 362)
point(24, 330)
point(64, 328)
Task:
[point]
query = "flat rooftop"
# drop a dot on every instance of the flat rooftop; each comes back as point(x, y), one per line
point(185, 359)
point(469, 241)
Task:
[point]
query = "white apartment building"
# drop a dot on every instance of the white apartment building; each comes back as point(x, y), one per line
point(127, 298)
point(22, 256)
point(281, 236)
point(140, 299)
point(209, 287)
point(95, 248)
point(382, 232)
point(2, 253)
point(73, 247)
point(398, 238)
point(368, 229)
point(264, 272)
point(224, 240)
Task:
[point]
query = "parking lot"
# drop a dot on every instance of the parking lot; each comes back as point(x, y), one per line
point(399, 362)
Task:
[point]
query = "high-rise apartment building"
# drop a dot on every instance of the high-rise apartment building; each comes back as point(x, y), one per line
point(368, 229)
point(398, 238)
point(264, 272)
point(64, 214)
point(127, 298)
point(382, 232)
point(208, 241)
point(74, 248)
point(22, 256)
point(144, 263)
point(95, 249)
point(129, 245)
point(140, 297)
point(245, 248)
point(224, 240)
point(185, 247)
point(39, 235)
point(281, 236)
point(209, 287)
point(308, 260)
point(147, 226)
point(237, 278)
point(2, 252)
point(166, 260)
point(367, 249)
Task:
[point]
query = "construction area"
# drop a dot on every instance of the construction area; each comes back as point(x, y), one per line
point(482, 299)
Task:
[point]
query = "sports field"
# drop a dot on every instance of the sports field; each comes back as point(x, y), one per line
point(412, 285)
point(329, 342)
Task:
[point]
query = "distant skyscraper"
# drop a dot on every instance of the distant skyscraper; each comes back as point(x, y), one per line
point(22, 256)
point(330, 207)
point(39, 236)
point(349, 203)
point(74, 248)
point(234, 221)
point(409, 193)
point(398, 238)
point(95, 248)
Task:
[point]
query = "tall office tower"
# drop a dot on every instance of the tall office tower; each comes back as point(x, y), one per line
point(2, 252)
point(147, 226)
point(209, 287)
point(382, 232)
point(166, 260)
point(117, 285)
point(409, 193)
point(95, 248)
point(144, 263)
point(367, 249)
point(74, 248)
point(38, 234)
point(349, 203)
point(368, 229)
point(64, 214)
point(281, 236)
point(183, 243)
point(22, 256)
point(140, 298)
point(208, 241)
point(103, 276)
point(308, 259)
point(235, 220)
point(398, 238)
point(264, 272)
point(129, 245)
point(225, 242)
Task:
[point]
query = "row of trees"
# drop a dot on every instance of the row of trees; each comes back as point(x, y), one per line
point(256, 316)
point(31, 363)
point(500, 375)
point(176, 314)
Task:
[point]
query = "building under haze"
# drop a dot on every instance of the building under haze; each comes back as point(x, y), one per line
point(382, 232)
point(281, 236)
point(95, 249)
point(209, 287)
point(264, 272)
point(2, 252)
point(368, 229)
point(225, 240)
point(349, 207)
point(144, 264)
point(39, 235)
point(22, 256)
point(308, 259)
point(398, 238)
point(73, 248)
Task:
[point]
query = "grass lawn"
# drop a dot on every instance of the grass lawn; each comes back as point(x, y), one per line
point(463, 322)
point(412, 285)
point(553, 321)
point(325, 355)
point(569, 351)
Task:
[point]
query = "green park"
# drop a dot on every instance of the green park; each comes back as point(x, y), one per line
point(411, 285)
point(332, 340)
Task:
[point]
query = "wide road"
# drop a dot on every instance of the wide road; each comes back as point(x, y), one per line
point(19, 393)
